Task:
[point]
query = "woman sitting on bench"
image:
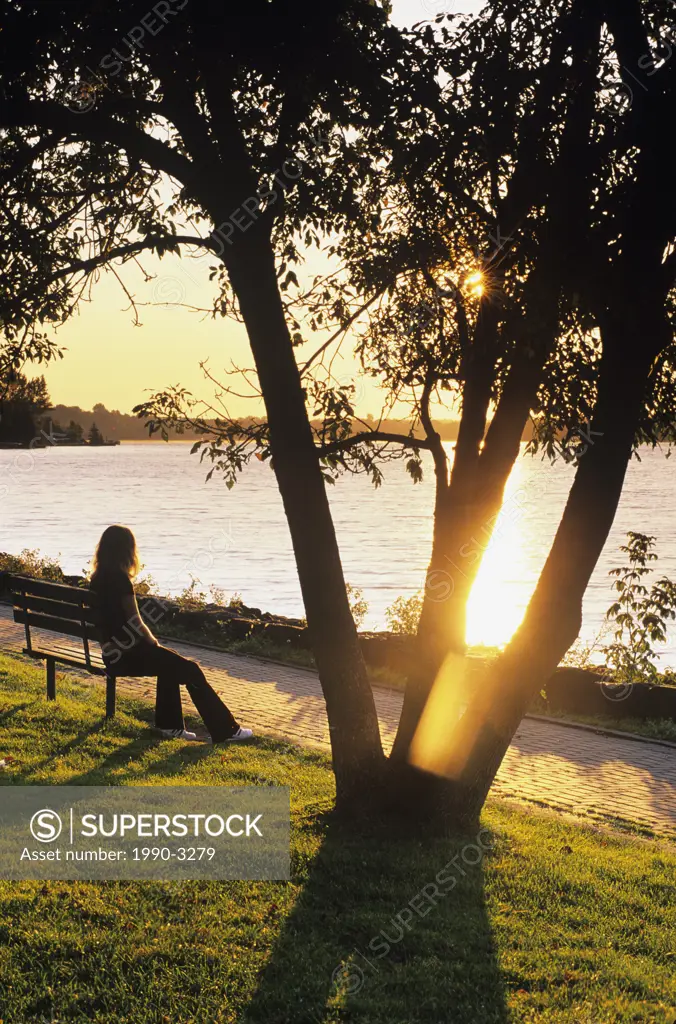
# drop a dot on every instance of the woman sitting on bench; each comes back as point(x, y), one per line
point(130, 649)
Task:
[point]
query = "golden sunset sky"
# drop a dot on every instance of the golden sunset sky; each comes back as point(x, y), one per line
point(109, 360)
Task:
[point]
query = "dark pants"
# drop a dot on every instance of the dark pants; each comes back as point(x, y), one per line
point(172, 670)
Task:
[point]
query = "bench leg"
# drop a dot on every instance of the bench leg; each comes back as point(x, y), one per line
point(51, 679)
point(110, 696)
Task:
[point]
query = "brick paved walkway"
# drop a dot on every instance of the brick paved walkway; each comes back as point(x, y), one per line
point(606, 778)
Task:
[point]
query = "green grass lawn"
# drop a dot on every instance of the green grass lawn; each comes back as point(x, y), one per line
point(556, 922)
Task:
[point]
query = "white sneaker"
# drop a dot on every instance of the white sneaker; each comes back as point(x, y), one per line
point(177, 734)
point(241, 734)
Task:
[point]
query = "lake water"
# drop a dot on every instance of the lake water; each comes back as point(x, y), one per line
point(58, 500)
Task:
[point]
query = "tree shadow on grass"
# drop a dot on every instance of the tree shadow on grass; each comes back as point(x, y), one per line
point(174, 763)
point(176, 760)
point(383, 930)
point(106, 769)
point(16, 709)
point(63, 751)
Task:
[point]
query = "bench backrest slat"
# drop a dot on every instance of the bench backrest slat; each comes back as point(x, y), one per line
point(70, 611)
point(55, 591)
point(69, 627)
point(57, 609)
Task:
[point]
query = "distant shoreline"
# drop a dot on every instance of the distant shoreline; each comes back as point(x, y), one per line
point(125, 426)
point(125, 441)
point(17, 447)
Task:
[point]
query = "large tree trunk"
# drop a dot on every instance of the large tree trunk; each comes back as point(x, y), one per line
point(249, 258)
point(353, 723)
point(467, 509)
point(456, 515)
point(457, 549)
point(476, 746)
point(459, 545)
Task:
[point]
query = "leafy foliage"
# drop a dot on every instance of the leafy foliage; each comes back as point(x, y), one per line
point(640, 614)
point(404, 613)
point(21, 398)
point(17, 350)
point(30, 562)
point(358, 604)
point(104, 158)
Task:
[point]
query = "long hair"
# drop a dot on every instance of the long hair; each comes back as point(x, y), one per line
point(116, 551)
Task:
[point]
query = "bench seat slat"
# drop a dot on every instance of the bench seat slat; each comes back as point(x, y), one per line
point(56, 625)
point(97, 668)
point(67, 650)
point(66, 646)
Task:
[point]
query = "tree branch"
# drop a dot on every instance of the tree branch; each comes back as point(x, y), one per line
point(341, 330)
point(371, 436)
point(433, 437)
point(531, 178)
point(625, 22)
point(128, 250)
point(471, 204)
point(218, 84)
point(96, 127)
point(29, 154)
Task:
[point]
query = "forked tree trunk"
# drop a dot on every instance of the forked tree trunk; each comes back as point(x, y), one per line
point(453, 568)
point(466, 511)
point(353, 723)
point(480, 740)
point(462, 776)
point(458, 550)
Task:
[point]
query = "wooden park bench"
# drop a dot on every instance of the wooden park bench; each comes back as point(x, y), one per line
point(68, 612)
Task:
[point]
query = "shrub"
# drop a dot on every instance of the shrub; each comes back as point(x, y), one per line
point(403, 614)
point(234, 602)
point(358, 605)
point(191, 599)
point(31, 563)
point(640, 615)
point(145, 585)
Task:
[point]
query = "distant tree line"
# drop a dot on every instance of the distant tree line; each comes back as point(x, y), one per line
point(112, 423)
point(126, 427)
point(27, 414)
point(26, 409)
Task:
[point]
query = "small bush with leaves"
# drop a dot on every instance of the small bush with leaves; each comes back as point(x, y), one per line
point(403, 614)
point(191, 599)
point(31, 563)
point(145, 585)
point(358, 604)
point(640, 615)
